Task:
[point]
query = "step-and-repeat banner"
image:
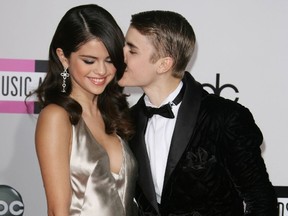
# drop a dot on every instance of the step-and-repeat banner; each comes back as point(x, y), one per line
point(241, 54)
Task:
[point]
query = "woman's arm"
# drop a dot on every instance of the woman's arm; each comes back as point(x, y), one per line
point(53, 140)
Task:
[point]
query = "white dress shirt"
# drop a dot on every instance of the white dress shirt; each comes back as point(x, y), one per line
point(158, 140)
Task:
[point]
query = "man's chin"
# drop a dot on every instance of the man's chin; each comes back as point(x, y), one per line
point(122, 82)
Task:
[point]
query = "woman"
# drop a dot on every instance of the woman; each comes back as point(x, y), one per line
point(86, 166)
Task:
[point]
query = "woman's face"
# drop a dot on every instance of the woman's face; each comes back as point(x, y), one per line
point(90, 68)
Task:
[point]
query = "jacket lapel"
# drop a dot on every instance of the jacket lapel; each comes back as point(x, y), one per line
point(185, 123)
point(184, 127)
point(138, 147)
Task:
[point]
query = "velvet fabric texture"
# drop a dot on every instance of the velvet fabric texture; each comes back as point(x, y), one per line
point(214, 163)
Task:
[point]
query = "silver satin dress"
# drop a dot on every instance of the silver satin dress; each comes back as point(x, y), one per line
point(95, 189)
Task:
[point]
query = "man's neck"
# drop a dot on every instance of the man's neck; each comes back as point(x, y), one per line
point(159, 91)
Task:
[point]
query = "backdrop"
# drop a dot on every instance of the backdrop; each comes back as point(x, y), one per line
point(241, 54)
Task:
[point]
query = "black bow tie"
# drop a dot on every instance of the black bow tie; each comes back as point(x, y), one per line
point(165, 110)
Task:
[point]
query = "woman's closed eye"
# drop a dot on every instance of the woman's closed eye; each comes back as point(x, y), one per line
point(89, 61)
point(108, 60)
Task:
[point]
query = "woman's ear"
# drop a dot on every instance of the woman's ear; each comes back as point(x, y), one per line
point(165, 64)
point(62, 57)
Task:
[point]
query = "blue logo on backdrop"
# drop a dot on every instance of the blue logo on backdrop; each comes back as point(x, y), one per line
point(217, 88)
point(11, 202)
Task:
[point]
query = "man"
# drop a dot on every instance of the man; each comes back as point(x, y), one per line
point(203, 156)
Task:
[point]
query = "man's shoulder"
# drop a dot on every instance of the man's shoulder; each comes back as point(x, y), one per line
point(216, 100)
point(221, 107)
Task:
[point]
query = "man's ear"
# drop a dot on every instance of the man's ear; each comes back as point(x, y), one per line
point(165, 64)
point(62, 57)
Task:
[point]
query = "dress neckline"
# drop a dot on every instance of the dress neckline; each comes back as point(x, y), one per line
point(115, 175)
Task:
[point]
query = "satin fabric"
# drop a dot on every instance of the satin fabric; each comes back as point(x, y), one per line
point(95, 190)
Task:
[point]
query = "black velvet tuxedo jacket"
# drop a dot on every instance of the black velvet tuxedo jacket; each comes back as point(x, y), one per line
point(214, 162)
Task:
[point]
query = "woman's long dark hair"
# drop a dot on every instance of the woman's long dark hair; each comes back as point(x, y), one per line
point(78, 26)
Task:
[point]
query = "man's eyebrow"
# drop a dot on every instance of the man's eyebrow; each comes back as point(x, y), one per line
point(131, 45)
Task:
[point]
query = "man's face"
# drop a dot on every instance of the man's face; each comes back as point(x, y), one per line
point(140, 71)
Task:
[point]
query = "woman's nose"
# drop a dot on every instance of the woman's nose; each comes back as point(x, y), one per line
point(101, 69)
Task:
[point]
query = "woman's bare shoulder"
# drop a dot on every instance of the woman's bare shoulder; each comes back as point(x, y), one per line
point(54, 113)
point(54, 116)
point(54, 110)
